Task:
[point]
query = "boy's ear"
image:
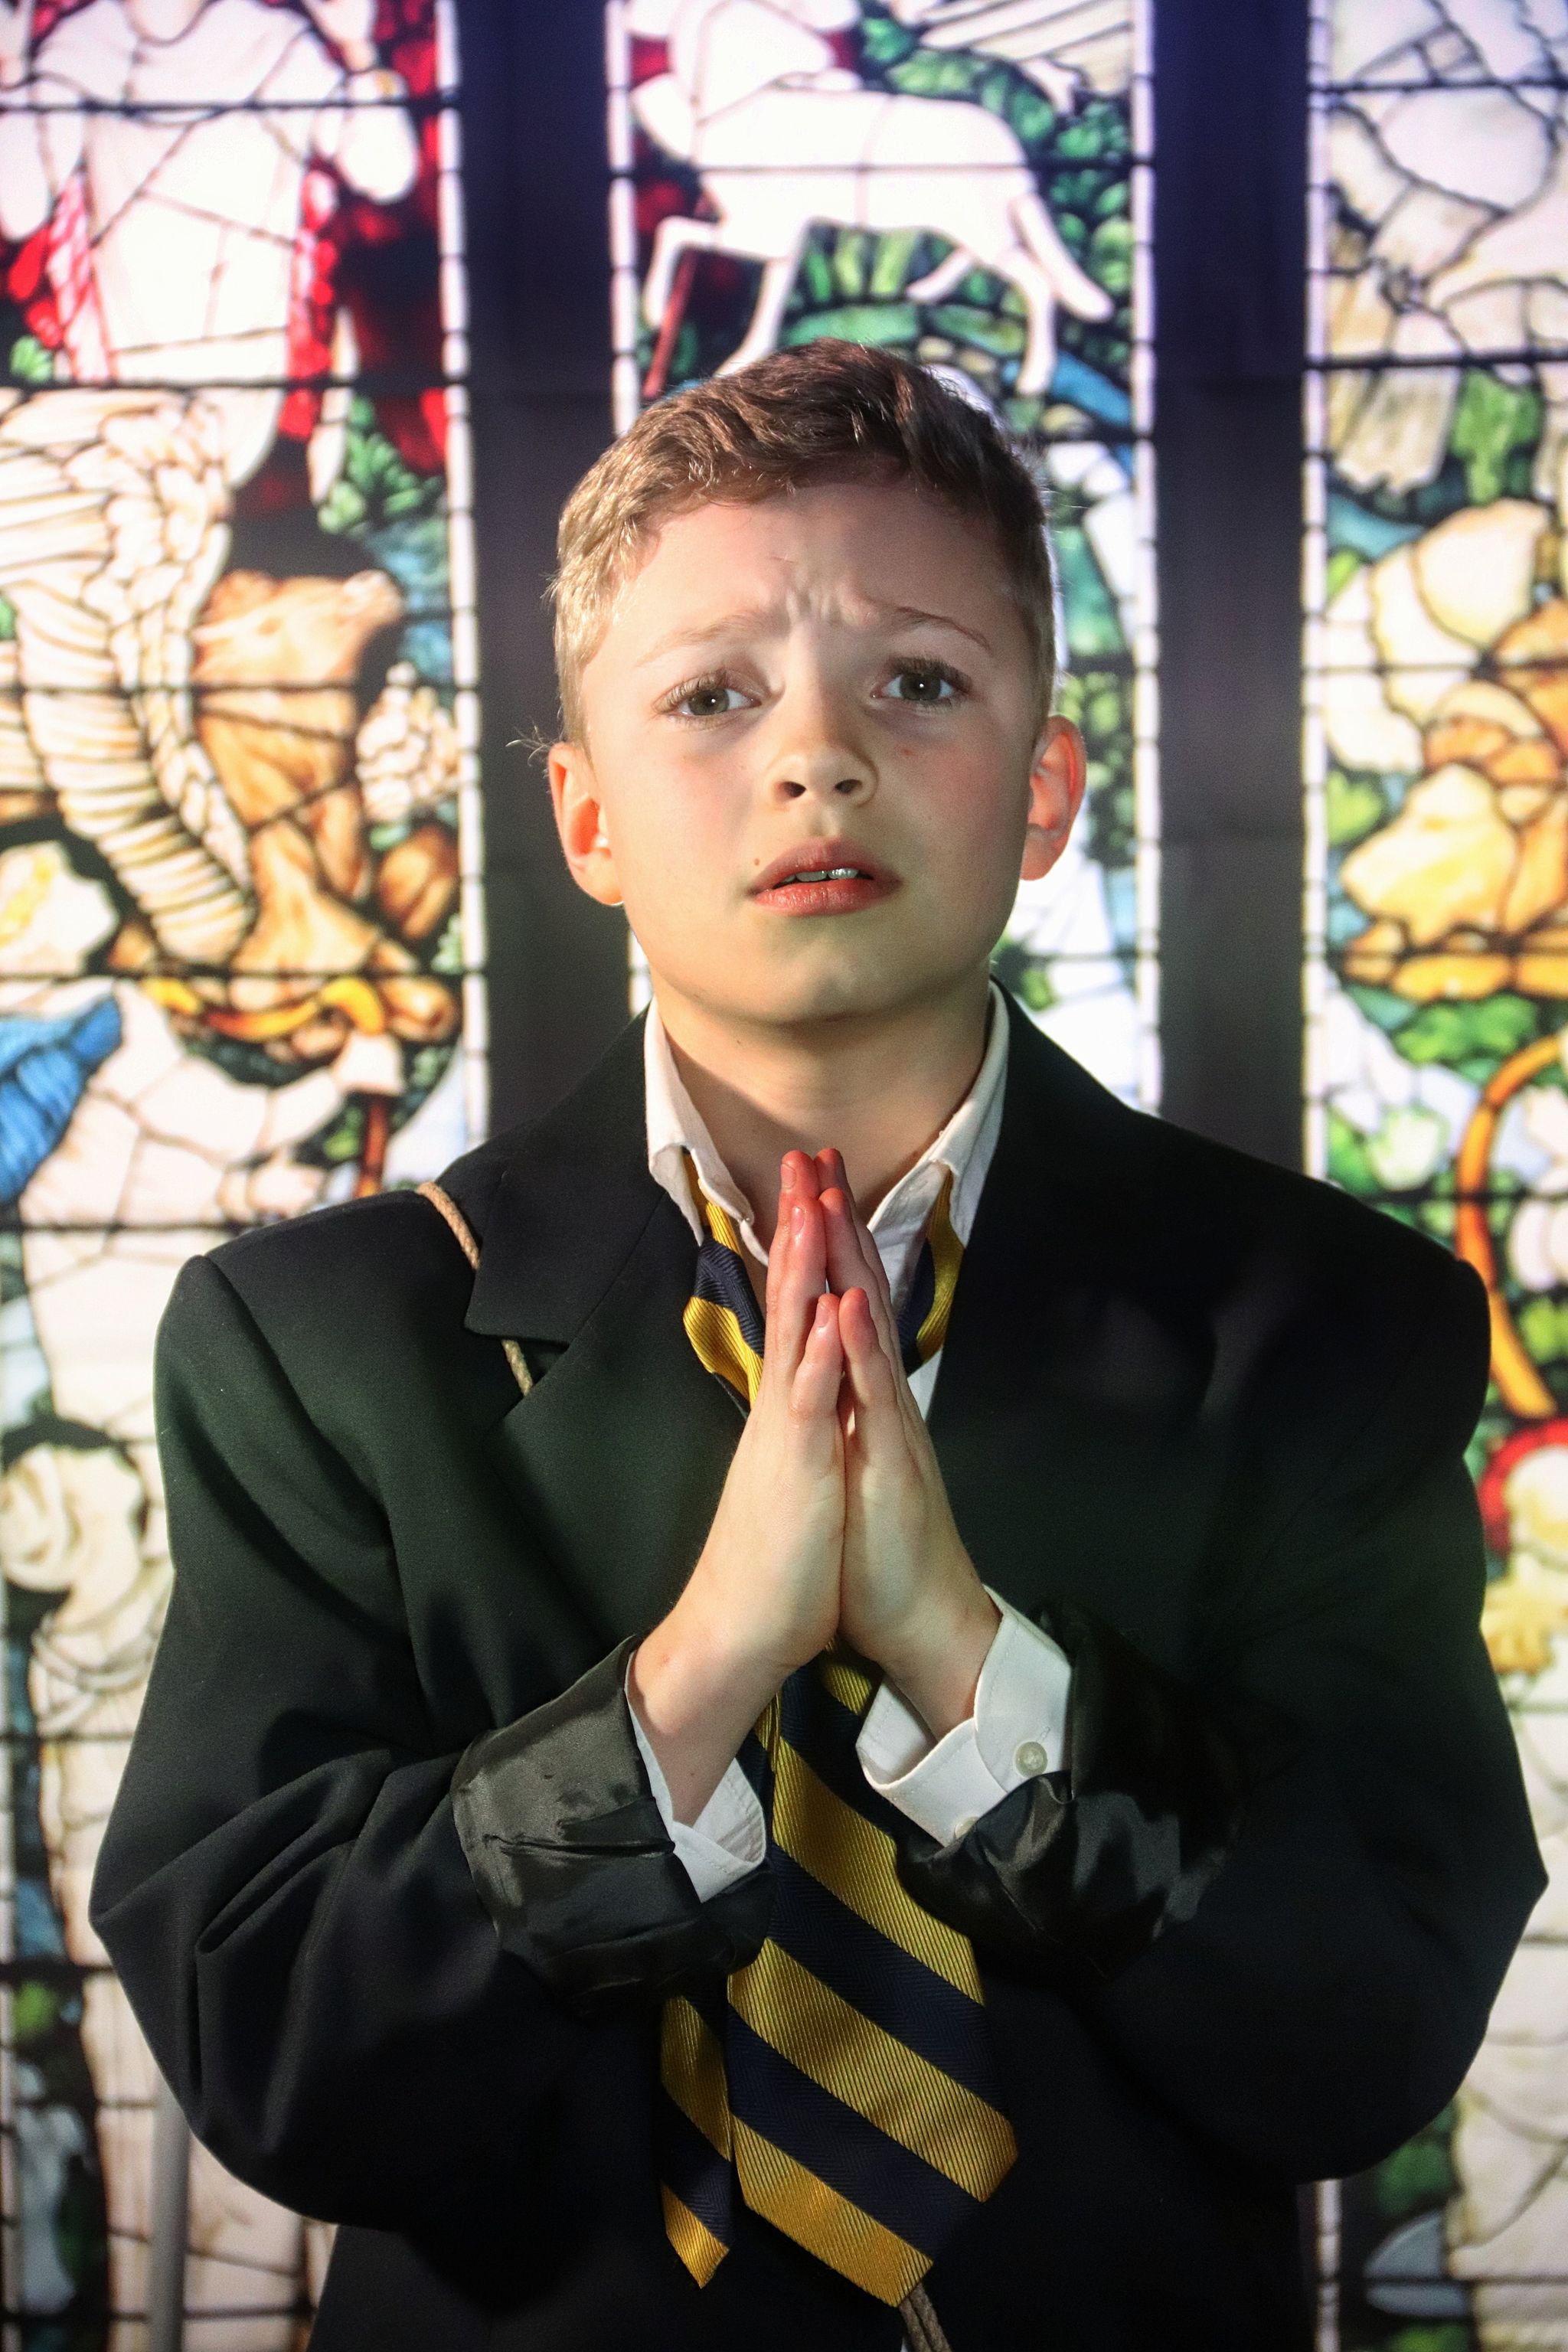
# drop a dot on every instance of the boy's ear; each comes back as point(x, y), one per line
point(1056, 781)
point(580, 822)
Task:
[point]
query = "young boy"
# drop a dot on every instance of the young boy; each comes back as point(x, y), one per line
point(665, 1846)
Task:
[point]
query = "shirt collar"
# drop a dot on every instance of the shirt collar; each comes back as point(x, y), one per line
point(964, 1144)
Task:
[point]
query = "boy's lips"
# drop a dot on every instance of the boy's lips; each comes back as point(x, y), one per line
point(835, 876)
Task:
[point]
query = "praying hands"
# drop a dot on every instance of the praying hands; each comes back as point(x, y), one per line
point(834, 1518)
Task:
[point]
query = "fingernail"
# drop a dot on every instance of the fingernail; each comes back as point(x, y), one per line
point(797, 1218)
point(790, 1173)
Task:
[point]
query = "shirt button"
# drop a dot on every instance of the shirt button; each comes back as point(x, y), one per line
point(1030, 1757)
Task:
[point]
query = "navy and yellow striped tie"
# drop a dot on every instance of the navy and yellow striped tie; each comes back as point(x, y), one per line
point(843, 2081)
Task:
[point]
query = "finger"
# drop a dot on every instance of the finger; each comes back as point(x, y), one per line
point(832, 1175)
point(854, 1262)
point(871, 1375)
point(814, 1385)
point(797, 1181)
point(849, 1268)
point(872, 1254)
point(801, 1279)
point(778, 1248)
point(880, 1294)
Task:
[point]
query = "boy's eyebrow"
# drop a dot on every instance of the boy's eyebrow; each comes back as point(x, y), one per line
point(699, 633)
point(941, 620)
point(724, 624)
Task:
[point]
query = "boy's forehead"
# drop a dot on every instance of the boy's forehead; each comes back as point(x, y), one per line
point(867, 554)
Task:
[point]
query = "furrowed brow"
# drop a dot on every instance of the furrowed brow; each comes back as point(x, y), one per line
point(699, 633)
point(910, 615)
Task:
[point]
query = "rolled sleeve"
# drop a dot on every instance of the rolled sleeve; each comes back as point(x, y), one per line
point(1017, 1732)
point(729, 1838)
point(557, 1818)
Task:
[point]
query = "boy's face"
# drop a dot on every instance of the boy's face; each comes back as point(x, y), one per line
point(835, 677)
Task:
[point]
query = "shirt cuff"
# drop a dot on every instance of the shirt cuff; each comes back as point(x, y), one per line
point(728, 1839)
point(1015, 1733)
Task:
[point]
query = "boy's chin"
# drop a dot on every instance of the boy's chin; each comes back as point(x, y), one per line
point(804, 1000)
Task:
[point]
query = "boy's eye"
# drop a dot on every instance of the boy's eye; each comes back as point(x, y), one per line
point(705, 698)
point(927, 685)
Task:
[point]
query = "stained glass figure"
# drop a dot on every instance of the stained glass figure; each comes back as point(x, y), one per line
point(239, 936)
point(1437, 742)
point(966, 182)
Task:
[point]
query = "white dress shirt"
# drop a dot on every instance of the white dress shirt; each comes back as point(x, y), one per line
point(1020, 1705)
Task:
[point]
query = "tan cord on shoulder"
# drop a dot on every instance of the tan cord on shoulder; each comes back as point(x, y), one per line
point(921, 2325)
point(462, 1234)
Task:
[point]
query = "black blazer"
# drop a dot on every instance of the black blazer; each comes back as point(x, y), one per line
point(1206, 1418)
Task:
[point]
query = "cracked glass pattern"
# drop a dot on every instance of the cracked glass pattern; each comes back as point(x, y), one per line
point(240, 940)
point(1437, 981)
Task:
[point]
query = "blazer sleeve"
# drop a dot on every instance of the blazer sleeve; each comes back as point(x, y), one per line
point(1285, 1893)
point(348, 2014)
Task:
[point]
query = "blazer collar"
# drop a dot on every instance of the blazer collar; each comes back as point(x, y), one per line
point(575, 1194)
point(574, 1198)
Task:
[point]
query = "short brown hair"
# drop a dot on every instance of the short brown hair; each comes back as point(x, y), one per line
point(824, 412)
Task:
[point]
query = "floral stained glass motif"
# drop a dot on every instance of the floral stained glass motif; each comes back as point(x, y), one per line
point(1437, 746)
point(241, 946)
point(966, 182)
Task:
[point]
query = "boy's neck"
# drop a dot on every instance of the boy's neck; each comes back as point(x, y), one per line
point(878, 1086)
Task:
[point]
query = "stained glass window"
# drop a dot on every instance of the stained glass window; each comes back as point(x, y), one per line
point(966, 182)
point(1436, 738)
point(241, 945)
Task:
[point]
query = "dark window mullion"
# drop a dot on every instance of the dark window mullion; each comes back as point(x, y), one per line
point(1230, 102)
point(536, 173)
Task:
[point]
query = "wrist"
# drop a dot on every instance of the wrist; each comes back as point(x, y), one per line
point(935, 1661)
point(696, 1698)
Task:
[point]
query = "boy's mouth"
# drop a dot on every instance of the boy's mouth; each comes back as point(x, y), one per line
point(824, 878)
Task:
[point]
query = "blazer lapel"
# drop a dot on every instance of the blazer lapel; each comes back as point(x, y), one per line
point(1073, 1355)
point(619, 1452)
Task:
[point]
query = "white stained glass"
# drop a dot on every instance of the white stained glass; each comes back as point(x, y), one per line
point(1436, 742)
point(968, 182)
point(241, 939)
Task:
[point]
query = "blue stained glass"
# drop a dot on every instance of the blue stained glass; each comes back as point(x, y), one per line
point(44, 1067)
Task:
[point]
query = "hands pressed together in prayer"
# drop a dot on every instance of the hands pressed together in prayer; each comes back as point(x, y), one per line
point(834, 1518)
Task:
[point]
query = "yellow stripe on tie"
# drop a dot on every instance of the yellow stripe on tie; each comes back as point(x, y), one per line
point(851, 1686)
point(947, 1257)
point(692, 2240)
point(897, 2090)
point(715, 1333)
point(856, 1862)
point(824, 2223)
point(691, 2067)
point(719, 1222)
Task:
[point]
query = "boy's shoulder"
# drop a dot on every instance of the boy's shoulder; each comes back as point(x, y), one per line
point(346, 1280)
point(1273, 1290)
point(1188, 1211)
point(1353, 1319)
point(1205, 1187)
point(391, 1268)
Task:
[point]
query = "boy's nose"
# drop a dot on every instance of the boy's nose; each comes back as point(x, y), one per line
point(844, 788)
point(815, 747)
point(824, 770)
